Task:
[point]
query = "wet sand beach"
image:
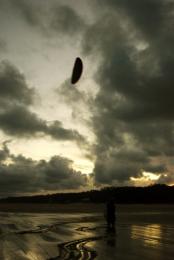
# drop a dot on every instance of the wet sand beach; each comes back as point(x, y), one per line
point(142, 231)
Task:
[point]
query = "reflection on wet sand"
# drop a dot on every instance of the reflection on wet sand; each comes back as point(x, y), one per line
point(82, 236)
point(111, 240)
point(150, 234)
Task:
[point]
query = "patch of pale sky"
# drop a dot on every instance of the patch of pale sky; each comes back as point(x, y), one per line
point(44, 148)
point(46, 64)
point(147, 178)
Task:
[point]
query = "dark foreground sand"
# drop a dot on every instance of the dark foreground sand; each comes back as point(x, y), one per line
point(78, 231)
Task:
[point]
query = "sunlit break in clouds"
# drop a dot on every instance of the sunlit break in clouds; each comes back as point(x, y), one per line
point(115, 125)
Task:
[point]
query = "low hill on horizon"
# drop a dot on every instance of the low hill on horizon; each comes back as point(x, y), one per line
point(158, 193)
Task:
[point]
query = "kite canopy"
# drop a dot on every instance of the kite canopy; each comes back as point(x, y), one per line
point(77, 70)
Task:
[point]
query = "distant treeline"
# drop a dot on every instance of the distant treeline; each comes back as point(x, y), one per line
point(159, 193)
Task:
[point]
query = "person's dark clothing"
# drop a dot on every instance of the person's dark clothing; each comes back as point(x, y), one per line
point(110, 214)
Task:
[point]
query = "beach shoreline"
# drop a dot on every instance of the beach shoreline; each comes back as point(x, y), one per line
point(80, 230)
point(82, 207)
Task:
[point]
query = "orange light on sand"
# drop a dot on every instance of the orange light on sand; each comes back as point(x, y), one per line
point(150, 234)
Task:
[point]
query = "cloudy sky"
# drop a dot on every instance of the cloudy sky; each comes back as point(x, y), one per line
point(115, 127)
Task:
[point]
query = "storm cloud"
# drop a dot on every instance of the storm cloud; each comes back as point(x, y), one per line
point(13, 86)
point(132, 110)
point(27, 176)
point(66, 21)
point(16, 118)
point(134, 105)
point(51, 19)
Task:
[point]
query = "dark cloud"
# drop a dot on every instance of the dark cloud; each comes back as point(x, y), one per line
point(119, 166)
point(133, 112)
point(138, 11)
point(4, 153)
point(50, 18)
point(30, 10)
point(13, 86)
point(16, 119)
point(66, 20)
point(20, 122)
point(58, 132)
point(26, 176)
point(134, 105)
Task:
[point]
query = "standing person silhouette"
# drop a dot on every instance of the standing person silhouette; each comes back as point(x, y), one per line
point(110, 215)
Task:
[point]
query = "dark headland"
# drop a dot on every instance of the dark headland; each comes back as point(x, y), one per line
point(154, 194)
